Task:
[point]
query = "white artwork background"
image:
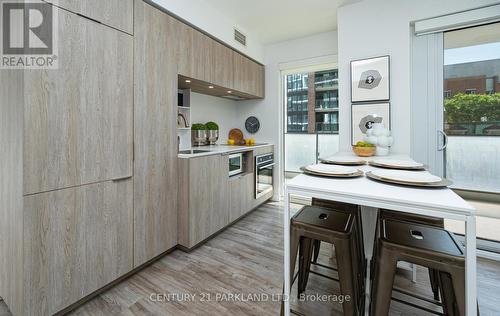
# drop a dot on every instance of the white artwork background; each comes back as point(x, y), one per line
point(381, 92)
point(359, 111)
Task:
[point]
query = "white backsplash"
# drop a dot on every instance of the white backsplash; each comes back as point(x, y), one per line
point(226, 113)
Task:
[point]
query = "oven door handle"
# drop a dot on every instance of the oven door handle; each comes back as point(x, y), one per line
point(267, 166)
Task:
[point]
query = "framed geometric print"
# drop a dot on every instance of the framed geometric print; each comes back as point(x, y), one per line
point(364, 115)
point(370, 79)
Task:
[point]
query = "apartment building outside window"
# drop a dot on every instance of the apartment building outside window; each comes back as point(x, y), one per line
point(311, 116)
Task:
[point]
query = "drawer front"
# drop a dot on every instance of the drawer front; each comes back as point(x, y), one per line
point(75, 241)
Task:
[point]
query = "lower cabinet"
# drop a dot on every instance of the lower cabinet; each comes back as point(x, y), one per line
point(203, 198)
point(241, 195)
point(76, 241)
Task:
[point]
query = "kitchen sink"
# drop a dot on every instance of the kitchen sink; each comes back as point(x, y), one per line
point(193, 151)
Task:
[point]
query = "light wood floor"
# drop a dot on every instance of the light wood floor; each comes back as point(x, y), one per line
point(247, 258)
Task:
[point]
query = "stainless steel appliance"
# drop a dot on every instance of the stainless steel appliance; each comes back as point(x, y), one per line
point(264, 165)
point(235, 164)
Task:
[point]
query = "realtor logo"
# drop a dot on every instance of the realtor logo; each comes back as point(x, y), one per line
point(28, 35)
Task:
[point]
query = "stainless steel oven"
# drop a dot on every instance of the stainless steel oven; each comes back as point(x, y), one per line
point(264, 165)
point(235, 164)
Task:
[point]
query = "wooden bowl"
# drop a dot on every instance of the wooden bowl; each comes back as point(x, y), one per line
point(364, 151)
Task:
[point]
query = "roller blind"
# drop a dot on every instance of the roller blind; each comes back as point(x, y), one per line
point(457, 20)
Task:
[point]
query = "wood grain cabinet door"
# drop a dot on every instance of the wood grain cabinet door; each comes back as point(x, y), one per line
point(222, 66)
point(76, 241)
point(115, 13)
point(241, 196)
point(195, 53)
point(248, 76)
point(78, 118)
point(155, 125)
point(208, 196)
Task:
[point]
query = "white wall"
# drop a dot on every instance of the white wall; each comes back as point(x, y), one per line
point(207, 18)
point(226, 113)
point(276, 56)
point(382, 27)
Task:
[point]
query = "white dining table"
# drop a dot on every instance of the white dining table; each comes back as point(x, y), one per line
point(372, 195)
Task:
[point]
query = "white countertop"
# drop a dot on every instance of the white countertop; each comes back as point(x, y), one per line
point(373, 192)
point(220, 149)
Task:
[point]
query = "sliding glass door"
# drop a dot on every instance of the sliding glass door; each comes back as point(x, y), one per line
point(471, 124)
point(472, 107)
point(311, 117)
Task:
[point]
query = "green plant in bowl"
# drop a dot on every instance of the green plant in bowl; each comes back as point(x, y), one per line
point(364, 144)
point(212, 126)
point(198, 127)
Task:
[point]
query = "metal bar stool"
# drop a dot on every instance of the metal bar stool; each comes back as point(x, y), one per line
point(416, 219)
point(424, 245)
point(355, 210)
point(338, 228)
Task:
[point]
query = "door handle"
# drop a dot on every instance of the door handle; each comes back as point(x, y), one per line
point(445, 140)
point(267, 166)
point(121, 179)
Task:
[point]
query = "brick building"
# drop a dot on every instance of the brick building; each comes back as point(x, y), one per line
point(472, 78)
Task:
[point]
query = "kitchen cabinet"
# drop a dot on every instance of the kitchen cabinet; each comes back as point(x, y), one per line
point(248, 76)
point(222, 69)
point(155, 134)
point(203, 198)
point(195, 53)
point(66, 212)
point(76, 241)
point(210, 200)
point(207, 61)
point(241, 195)
point(78, 118)
point(115, 13)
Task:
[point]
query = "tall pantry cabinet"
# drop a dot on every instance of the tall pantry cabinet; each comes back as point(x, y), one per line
point(155, 131)
point(67, 164)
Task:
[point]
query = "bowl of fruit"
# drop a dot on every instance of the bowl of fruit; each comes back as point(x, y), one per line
point(364, 149)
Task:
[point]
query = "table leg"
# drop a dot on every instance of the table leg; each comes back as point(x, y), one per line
point(369, 221)
point(470, 266)
point(286, 232)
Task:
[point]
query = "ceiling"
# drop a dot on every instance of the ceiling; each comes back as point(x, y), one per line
point(279, 20)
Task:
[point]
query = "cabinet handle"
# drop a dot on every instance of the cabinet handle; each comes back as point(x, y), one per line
point(122, 179)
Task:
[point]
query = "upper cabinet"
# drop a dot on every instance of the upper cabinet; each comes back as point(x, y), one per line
point(222, 70)
point(78, 118)
point(208, 61)
point(248, 76)
point(115, 13)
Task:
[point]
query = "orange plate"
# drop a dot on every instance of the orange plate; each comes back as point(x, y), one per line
point(237, 135)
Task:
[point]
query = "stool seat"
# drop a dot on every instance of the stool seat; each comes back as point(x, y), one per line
point(416, 219)
point(425, 245)
point(413, 218)
point(420, 236)
point(340, 229)
point(325, 218)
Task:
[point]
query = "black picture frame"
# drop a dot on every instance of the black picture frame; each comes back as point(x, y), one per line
point(374, 99)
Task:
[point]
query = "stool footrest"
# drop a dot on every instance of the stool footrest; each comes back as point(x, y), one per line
point(417, 306)
point(417, 296)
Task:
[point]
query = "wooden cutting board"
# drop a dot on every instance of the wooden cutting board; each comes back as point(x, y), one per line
point(237, 135)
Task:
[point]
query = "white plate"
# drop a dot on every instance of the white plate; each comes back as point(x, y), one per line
point(398, 163)
point(407, 176)
point(331, 169)
point(349, 160)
